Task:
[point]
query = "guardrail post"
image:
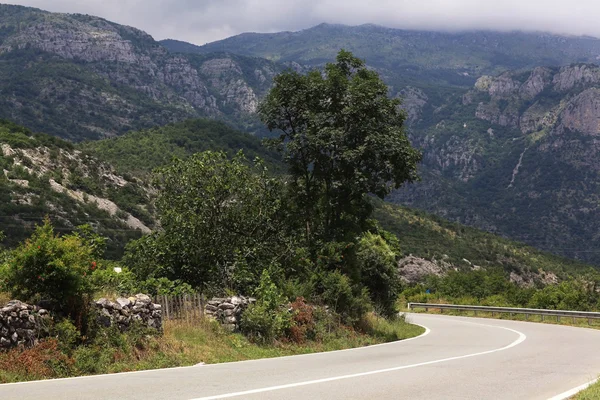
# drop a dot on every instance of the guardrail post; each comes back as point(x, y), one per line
point(557, 318)
point(526, 317)
point(542, 317)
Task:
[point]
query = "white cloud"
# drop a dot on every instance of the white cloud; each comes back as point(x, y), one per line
point(201, 21)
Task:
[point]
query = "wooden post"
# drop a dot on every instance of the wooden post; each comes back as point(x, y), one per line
point(202, 303)
point(166, 300)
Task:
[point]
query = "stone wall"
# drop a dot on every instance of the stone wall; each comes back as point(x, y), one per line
point(22, 324)
point(228, 310)
point(126, 311)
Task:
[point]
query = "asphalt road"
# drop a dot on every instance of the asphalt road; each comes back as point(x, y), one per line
point(457, 358)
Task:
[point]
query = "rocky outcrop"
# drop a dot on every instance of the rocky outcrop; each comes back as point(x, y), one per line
point(504, 86)
point(491, 112)
point(575, 75)
point(228, 311)
point(413, 101)
point(537, 82)
point(582, 114)
point(125, 312)
point(414, 269)
point(536, 118)
point(22, 324)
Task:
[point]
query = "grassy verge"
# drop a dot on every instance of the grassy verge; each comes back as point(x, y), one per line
point(182, 344)
point(591, 393)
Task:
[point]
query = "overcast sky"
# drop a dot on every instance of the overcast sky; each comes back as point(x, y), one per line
point(202, 21)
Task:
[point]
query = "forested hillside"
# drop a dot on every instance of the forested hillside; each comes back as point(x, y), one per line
point(140, 152)
point(46, 177)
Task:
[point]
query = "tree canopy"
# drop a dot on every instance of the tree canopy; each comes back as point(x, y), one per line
point(343, 138)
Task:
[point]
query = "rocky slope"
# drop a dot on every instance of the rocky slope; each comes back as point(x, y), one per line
point(41, 176)
point(82, 77)
point(517, 155)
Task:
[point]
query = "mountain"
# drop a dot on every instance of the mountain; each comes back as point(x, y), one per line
point(406, 56)
point(82, 77)
point(73, 184)
point(517, 155)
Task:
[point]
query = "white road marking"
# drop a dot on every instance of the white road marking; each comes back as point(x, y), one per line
point(520, 340)
point(570, 393)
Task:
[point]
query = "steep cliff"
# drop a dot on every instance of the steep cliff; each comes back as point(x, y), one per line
point(518, 155)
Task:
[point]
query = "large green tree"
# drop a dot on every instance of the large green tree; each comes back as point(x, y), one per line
point(221, 223)
point(343, 138)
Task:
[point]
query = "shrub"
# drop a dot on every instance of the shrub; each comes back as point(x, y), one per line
point(267, 319)
point(379, 272)
point(106, 280)
point(347, 300)
point(53, 269)
point(303, 326)
point(67, 334)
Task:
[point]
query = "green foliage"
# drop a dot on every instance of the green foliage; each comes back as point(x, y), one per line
point(342, 139)
point(350, 301)
point(54, 269)
point(141, 152)
point(106, 280)
point(67, 334)
point(268, 318)
point(163, 286)
point(221, 223)
point(379, 272)
point(571, 295)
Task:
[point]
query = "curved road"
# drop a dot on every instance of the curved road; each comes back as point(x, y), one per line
point(457, 358)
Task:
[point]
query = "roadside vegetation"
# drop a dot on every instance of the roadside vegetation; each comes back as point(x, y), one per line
point(303, 242)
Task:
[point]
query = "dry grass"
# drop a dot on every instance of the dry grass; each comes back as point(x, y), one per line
point(4, 298)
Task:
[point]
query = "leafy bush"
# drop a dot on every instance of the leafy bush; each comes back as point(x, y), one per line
point(347, 300)
point(67, 334)
point(379, 272)
point(106, 280)
point(267, 319)
point(54, 269)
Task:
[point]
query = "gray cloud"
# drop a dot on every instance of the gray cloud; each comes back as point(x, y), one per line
point(201, 21)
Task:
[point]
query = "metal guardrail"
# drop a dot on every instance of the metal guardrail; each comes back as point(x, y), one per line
point(507, 310)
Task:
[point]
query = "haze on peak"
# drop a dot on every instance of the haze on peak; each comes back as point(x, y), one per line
point(202, 21)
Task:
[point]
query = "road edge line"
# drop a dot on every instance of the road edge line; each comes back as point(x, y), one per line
point(522, 337)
